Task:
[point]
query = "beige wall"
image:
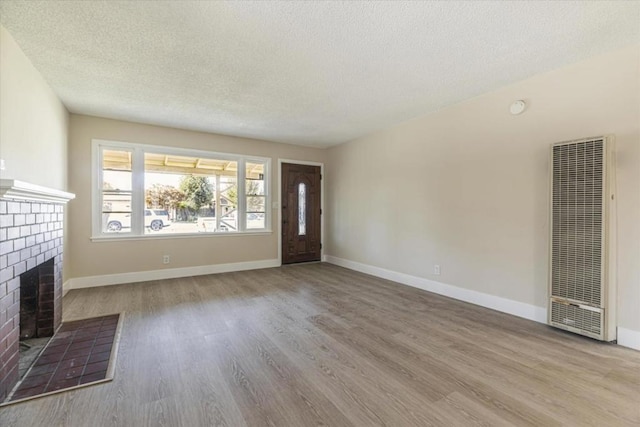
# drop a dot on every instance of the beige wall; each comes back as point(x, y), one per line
point(467, 187)
point(33, 121)
point(87, 258)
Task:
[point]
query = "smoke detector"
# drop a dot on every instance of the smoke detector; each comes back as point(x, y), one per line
point(517, 107)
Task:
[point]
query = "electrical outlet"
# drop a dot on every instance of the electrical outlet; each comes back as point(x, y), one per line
point(436, 269)
point(166, 259)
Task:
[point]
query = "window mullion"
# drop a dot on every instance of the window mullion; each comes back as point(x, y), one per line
point(267, 195)
point(137, 214)
point(242, 195)
point(98, 180)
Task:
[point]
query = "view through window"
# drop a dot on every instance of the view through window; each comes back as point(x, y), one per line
point(182, 193)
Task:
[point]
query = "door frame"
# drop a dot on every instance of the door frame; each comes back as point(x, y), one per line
point(279, 203)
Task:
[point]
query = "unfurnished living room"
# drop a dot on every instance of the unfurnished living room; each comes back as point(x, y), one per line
point(301, 213)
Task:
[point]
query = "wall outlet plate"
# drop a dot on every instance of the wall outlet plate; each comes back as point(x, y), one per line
point(436, 269)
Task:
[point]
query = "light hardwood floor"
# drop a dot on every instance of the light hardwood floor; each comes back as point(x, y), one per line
point(318, 344)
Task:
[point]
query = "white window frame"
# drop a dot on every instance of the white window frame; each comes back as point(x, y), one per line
point(138, 197)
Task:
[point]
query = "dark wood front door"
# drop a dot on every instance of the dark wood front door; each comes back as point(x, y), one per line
point(300, 213)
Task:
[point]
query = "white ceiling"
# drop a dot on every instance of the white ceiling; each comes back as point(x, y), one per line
point(311, 73)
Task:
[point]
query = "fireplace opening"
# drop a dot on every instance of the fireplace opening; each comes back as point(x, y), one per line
point(37, 291)
point(36, 301)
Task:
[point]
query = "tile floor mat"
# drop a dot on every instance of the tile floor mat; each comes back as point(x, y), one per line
point(80, 353)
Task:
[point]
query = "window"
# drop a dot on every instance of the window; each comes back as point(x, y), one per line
point(256, 195)
point(302, 209)
point(142, 190)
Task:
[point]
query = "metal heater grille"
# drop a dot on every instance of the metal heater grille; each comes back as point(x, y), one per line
point(577, 210)
point(573, 316)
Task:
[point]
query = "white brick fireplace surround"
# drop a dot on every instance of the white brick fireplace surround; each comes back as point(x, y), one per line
point(31, 233)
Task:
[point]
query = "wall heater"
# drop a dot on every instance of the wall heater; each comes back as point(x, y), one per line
point(582, 273)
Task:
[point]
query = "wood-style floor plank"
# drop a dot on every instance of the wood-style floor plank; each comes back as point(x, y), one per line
point(317, 344)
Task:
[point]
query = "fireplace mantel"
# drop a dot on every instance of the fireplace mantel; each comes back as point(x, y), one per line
point(11, 189)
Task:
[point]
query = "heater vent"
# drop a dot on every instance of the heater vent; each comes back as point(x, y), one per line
point(580, 235)
point(570, 316)
point(577, 221)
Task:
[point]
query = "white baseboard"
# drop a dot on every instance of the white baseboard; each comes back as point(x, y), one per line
point(629, 338)
point(516, 308)
point(66, 287)
point(169, 273)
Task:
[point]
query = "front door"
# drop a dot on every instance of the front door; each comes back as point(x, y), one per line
point(300, 213)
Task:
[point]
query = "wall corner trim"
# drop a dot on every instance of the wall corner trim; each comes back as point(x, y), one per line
point(516, 308)
point(629, 338)
point(169, 273)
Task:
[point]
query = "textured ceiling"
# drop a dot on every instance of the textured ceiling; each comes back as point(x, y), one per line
point(308, 73)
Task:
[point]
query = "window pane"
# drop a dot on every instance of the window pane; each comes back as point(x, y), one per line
point(255, 204)
point(255, 187)
point(116, 191)
point(255, 221)
point(256, 196)
point(182, 193)
point(302, 209)
point(255, 171)
point(228, 204)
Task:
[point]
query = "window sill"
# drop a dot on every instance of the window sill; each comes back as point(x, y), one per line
point(122, 237)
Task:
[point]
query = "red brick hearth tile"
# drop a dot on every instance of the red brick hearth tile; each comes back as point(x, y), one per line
point(73, 357)
point(28, 392)
point(75, 361)
point(90, 324)
point(99, 357)
point(63, 335)
point(93, 377)
point(84, 337)
point(110, 320)
point(102, 348)
point(87, 331)
point(37, 380)
point(105, 334)
point(83, 344)
point(58, 350)
point(74, 353)
point(63, 384)
point(65, 374)
point(96, 367)
point(57, 346)
point(104, 340)
point(43, 369)
point(45, 359)
point(66, 327)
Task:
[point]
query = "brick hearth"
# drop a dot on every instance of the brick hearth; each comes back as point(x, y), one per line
point(30, 234)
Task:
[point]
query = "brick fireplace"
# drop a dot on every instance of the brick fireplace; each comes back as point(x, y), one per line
point(31, 237)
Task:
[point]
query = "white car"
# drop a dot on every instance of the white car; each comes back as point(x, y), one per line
point(161, 214)
point(154, 219)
